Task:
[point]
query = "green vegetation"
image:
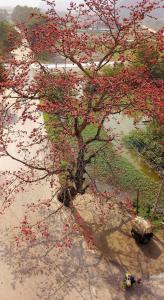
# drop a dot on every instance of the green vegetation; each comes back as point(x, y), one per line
point(148, 142)
point(157, 70)
point(9, 38)
point(112, 168)
point(2, 73)
point(32, 18)
point(150, 56)
point(54, 130)
point(24, 14)
point(112, 71)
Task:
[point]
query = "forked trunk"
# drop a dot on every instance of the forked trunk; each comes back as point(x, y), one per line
point(68, 193)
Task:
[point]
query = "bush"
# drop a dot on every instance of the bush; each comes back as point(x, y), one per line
point(149, 143)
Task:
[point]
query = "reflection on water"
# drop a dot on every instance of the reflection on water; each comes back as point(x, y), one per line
point(121, 125)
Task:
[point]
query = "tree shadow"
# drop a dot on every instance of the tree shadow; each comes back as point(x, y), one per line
point(129, 253)
point(159, 240)
point(151, 249)
point(137, 293)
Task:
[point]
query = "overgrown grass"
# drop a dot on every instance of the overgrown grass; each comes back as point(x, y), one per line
point(114, 169)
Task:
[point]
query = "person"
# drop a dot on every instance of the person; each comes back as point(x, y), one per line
point(133, 280)
point(129, 280)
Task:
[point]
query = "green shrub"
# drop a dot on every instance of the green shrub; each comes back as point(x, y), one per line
point(149, 143)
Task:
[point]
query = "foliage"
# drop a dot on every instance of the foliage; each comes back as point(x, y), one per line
point(149, 143)
point(2, 73)
point(113, 70)
point(148, 54)
point(32, 19)
point(24, 14)
point(9, 38)
point(157, 70)
point(115, 170)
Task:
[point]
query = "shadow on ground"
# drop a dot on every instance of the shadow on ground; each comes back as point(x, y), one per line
point(77, 272)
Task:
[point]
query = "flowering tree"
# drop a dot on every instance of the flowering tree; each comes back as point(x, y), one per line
point(75, 101)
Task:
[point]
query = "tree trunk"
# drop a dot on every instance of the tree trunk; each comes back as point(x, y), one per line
point(67, 194)
point(80, 171)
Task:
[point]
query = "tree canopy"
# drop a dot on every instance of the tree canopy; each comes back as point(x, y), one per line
point(23, 14)
point(83, 96)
